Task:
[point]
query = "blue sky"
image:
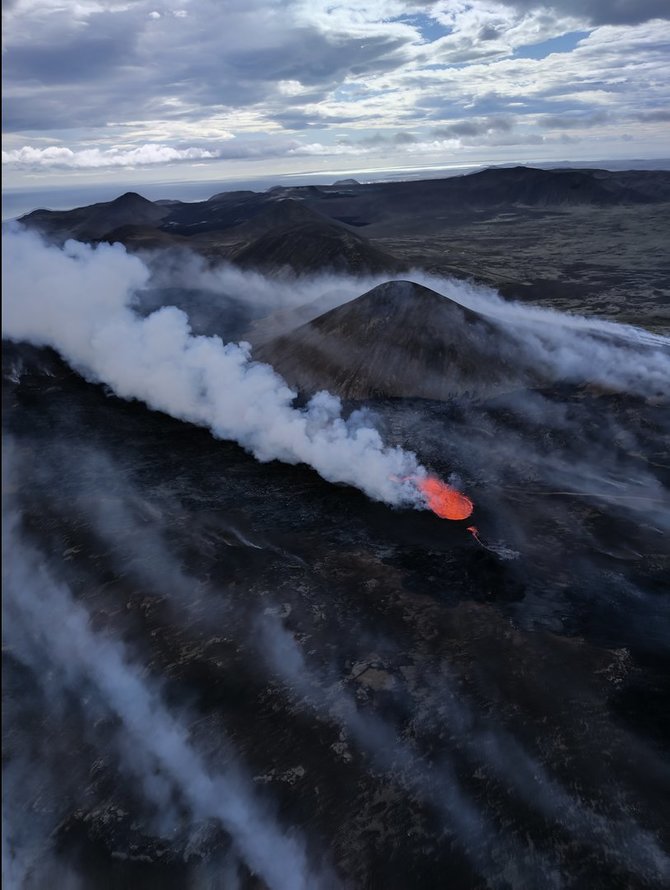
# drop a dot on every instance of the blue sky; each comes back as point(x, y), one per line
point(144, 90)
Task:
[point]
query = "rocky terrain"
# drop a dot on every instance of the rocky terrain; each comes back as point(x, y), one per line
point(407, 702)
point(224, 669)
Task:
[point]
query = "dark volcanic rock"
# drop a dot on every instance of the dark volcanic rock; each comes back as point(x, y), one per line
point(219, 213)
point(531, 689)
point(280, 213)
point(398, 340)
point(143, 238)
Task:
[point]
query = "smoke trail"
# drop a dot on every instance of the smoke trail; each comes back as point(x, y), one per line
point(59, 630)
point(559, 344)
point(475, 833)
point(569, 347)
point(620, 839)
point(186, 269)
point(78, 301)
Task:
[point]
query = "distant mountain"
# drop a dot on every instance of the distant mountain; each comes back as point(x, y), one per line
point(530, 186)
point(97, 220)
point(266, 232)
point(417, 206)
point(381, 207)
point(397, 340)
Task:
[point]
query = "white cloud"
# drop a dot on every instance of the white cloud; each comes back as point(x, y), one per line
point(143, 155)
point(318, 148)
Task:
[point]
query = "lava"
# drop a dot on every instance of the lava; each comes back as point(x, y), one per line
point(443, 500)
point(501, 550)
point(474, 531)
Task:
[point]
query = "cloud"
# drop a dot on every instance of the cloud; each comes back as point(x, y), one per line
point(219, 56)
point(572, 121)
point(61, 157)
point(132, 74)
point(595, 12)
point(659, 115)
point(592, 78)
point(93, 158)
point(601, 12)
point(476, 127)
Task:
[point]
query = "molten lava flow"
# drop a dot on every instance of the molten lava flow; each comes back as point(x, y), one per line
point(500, 550)
point(443, 500)
point(474, 531)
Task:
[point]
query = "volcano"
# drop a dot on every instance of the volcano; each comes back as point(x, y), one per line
point(399, 339)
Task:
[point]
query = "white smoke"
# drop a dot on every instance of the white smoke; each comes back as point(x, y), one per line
point(619, 839)
point(78, 301)
point(554, 345)
point(550, 344)
point(186, 269)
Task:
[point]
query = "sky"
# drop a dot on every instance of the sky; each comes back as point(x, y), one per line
point(100, 91)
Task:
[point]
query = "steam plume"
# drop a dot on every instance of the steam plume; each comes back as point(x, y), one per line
point(570, 347)
point(78, 301)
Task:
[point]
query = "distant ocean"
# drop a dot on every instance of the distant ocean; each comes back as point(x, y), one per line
point(18, 201)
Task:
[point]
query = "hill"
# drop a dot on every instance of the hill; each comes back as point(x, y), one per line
point(97, 220)
point(314, 246)
point(397, 340)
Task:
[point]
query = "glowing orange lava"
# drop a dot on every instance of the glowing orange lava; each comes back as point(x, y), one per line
point(443, 500)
